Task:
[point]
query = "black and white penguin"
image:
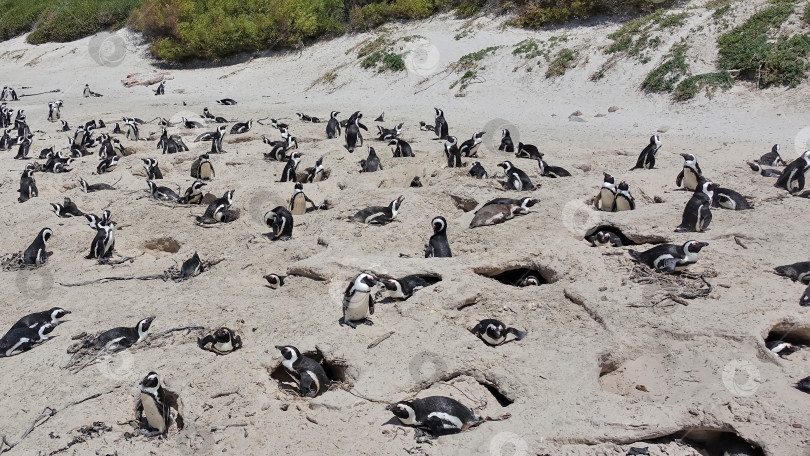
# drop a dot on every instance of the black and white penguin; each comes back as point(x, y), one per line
point(207, 115)
point(798, 272)
point(25, 146)
point(697, 215)
point(280, 148)
point(28, 186)
point(53, 316)
point(353, 137)
point(780, 347)
point(646, 159)
point(305, 118)
point(469, 148)
point(792, 178)
point(528, 151)
point(524, 203)
point(387, 134)
point(403, 288)
point(67, 209)
point(358, 303)
point(438, 245)
point(451, 152)
point(227, 101)
point(437, 414)
point(494, 332)
point(54, 110)
point(104, 242)
point(316, 174)
point(803, 385)
point(516, 179)
point(202, 168)
point(36, 253)
point(551, 171)
point(192, 267)
point(97, 222)
point(5, 140)
point(89, 188)
point(477, 171)
point(162, 193)
point(804, 301)
point(764, 172)
point(299, 201)
point(192, 123)
point(108, 164)
point(281, 221)
point(275, 281)
point(772, 158)
point(333, 126)
point(161, 88)
point(690, 174)
point(117, 339)
point(604, 238)
point(221, 342)
point(441, 127)
point(371, 163)
point(21, 340)
point(89, 93)
point(153, 406)
point(729, 199)
point(218, 210)
point(423, 126)
point(506, 142)
point(288, 174)
point(669, 257)
point(307, 373)
point(241, 127)
point(379, 215)
point(624, 200)
point(65, 126)
point(494, 214)
point(152, 169)
point(401, 148)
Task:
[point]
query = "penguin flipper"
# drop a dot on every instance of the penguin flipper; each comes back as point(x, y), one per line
point(805, 299)
point(679, 179)
point(668, 265)
point(370, 304)
point(519, 335)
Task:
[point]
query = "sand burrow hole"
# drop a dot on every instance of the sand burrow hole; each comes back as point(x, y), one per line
point(790, 332)
point(519, 275)
point(712, 442)
point(627, 238)
point(337, 370)
point(502, 397)
point(164, 244)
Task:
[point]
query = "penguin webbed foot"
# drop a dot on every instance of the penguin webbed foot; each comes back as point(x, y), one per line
point(149, 434)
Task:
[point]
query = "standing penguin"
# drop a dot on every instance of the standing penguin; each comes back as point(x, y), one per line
point(438, 246)
point(308, 373)
point(792, 178)
point(506, 142)
point(353, 137)
point(690, 174)
point(371, 163)
point(437, 414)
point(333, 126)
point(516, 179)
point(299, 200)
point(161, 88)
point(152, 169)
point(288, 174)
point(441, 124)
point(494, 332)
point(697, 215)
point(281, 221)
point(153, 406)
point(104, 242)
point(316, 174)
point(202, 168)
point(624, 200)
point(646, 160)
point(25, 146)
point(36, 254)
point(28, 186)
point(358, 303)
point(451, 152)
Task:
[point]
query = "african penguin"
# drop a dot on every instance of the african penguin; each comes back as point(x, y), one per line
point(516, 179)
point(494, 332)
point(20, 340)
point(358, 303)
point(107, 165)
point(288, 174)
point(551, 171)
point(353, 137)
point(798, 272)
point(28, 186)
point(697, 215)
point(120, 338)
point(53, 316)
point(36, 253)
point(333, 126)
point(401, 148)
point(772, 158)
point(624, 200)
point(451, 152)
point(299, 201)
point(603, 238)
point(379, 215)
point(88, 188)
point(792, 178)
point(729, 199)
point(690, 174)
point(371, 163)
point(387, 134)
point(506, 142)
point(241, 127)
point(192, 267)
point(780, 347)
point(202, 168)
point(646, 160)
point(221, 342)
point(437, 414)
point(528, 151)
point(438, 245)
point(67, 209)
point(227, 101)
point(104, 242)
point(281, 221)
point(161, 88)
point(152, 405)
point(219, 209)
point(669, 257)
point(405, 287)
point(307, 373)
point(316, 174)
point(764, 172)
point(152, 169)
point(494, 214)
point(162, 193)
point(275, 281)
point(477, 171)
point(525, 203)
point(469, 148)
point(441, 124)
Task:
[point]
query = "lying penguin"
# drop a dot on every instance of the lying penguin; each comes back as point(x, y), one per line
point(403, 288)
point(494, 332)
point(19, 340)
point(494, 214)
point(669, 258)
point(437, 414)
point(120, 338)
point(379, 215)
point(221, 342)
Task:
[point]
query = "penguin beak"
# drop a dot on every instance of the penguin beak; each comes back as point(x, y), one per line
point(391, 407)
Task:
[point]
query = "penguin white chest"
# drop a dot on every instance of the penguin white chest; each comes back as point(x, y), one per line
point(690, 181)
point(355, 307)
point(153, 413)
point(607, 197)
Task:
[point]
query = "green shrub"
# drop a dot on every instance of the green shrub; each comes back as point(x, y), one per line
point(470, 8)
point(689, 87)
point(664, 77)
point(564, 60)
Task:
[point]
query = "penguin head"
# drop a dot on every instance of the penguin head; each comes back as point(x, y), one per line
point(478, 135)
point(495, 331)
point(655, 140)
point(365, 282)
point(504, 133)
point(299, 186)
point(452, 140)
point(391, 284)
point(623, 186)
point(694, 246)
point(371, 152)
point(399, 126)
point(709, 188)
point(688, 158)
point(197, 185)
point(296, 157)
point(506, 165)
point(45, 234)
point(775, 148)
point(274, 280)
point(151, 186)
point(395, 205)
point(439, 225)
point(404, 410)
point(150, 382)
point(229, 196)
point(806, 155)
point(58, 313)
point(223, 335)
point(300, 115)
point(57, 208)
point(144, 324)
point(531, 281)
point(289, 352)
point(334, 114)
point(527, 202)
point(439, 112)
